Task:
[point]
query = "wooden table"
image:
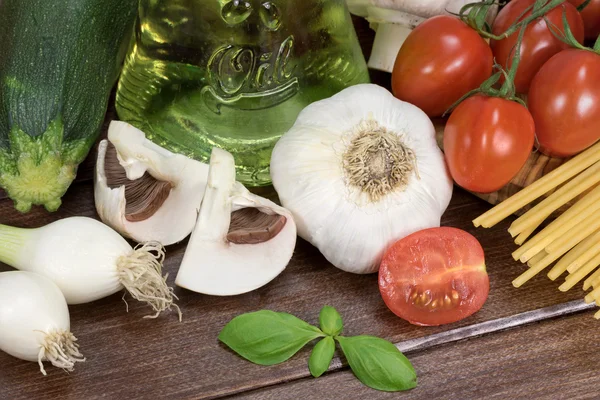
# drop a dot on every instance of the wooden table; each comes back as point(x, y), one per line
point(491, 355)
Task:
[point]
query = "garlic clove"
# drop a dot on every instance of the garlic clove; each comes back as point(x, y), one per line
point(359, 171)
point(241, 241)
point(144, 191)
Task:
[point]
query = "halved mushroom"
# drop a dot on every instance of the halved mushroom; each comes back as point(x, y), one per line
point(241, 241)
point(144, 191)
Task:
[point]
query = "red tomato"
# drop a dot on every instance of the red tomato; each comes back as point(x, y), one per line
point(487, 140)
point(565, 102)
point(539, 44)
point(434, 277)
point(440, 61)
point(591, 18)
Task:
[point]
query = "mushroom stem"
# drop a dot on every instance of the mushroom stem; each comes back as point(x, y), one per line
point(393, 27)
point(216, 206)
point(241, 241)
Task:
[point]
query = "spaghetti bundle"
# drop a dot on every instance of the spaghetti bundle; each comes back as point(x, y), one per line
point(572, 241)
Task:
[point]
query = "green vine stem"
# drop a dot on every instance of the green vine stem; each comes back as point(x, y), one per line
point(568, 37)
point(583, 5)
point(508, 90)
point(475, 14)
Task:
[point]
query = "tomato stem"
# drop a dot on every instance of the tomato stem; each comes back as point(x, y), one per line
point(583, 5)
point(508, 90)
point(474, 13)
point(567, 36)
point(597, 46)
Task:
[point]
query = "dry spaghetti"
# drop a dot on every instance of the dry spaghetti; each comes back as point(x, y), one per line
point(572, 241)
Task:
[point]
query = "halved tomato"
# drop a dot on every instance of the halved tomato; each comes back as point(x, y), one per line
point(433, 277)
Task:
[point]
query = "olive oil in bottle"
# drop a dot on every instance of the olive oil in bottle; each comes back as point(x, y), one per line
point(234, 74)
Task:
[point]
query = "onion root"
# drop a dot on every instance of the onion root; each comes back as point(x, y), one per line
point(60, 349)
point(141, 274)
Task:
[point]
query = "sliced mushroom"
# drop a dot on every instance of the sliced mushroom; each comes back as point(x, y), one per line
point(144, 191)
point(241, 241)
point(144, 196)
point(251, 226)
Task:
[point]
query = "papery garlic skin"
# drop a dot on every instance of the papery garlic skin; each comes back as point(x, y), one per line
point(342, 221)
point(215, 266)
point(175, 219)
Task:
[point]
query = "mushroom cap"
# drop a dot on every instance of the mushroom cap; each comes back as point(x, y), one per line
point(175, 219)
point(212, 265)
point(422, 8)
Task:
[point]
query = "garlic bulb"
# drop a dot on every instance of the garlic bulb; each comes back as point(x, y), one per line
point(241, 241)
point(144, 191)
point(359, 171)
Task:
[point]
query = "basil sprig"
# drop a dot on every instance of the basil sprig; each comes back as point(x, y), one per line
point(321, 356)
point(268, 338)
point(378, 363)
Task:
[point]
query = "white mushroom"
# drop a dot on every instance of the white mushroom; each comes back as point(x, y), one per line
point(144, 191)
point(241, 241)
point(395, 19)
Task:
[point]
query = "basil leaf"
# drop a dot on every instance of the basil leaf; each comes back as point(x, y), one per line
point(330, 321)
point(378, 363)
point(267, 337)
point(321, 356)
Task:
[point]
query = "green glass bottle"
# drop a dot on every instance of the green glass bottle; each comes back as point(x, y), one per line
point(234, 74)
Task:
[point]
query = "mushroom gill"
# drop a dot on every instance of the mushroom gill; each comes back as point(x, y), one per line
point(252, 226)
point(143, 196)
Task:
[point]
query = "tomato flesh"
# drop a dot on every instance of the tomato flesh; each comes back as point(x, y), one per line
point(565, 103)
point(487, 140)
point(591, 18)
point(433, 277)
point(539, 44)
point(440, 61)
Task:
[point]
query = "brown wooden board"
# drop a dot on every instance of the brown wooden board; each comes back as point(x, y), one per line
point(132, 357)
point(555, 359)
point(142, 357)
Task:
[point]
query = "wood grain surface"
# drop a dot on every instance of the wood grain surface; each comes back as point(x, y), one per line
point(141, 357)
point(129, 357)
point(550, 360)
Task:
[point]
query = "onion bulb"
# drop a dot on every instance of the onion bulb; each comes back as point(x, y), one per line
point(358, 172)
point(89, 261)
point(34, 321)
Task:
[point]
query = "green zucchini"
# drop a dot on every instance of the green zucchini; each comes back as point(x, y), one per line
point(59, 60)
